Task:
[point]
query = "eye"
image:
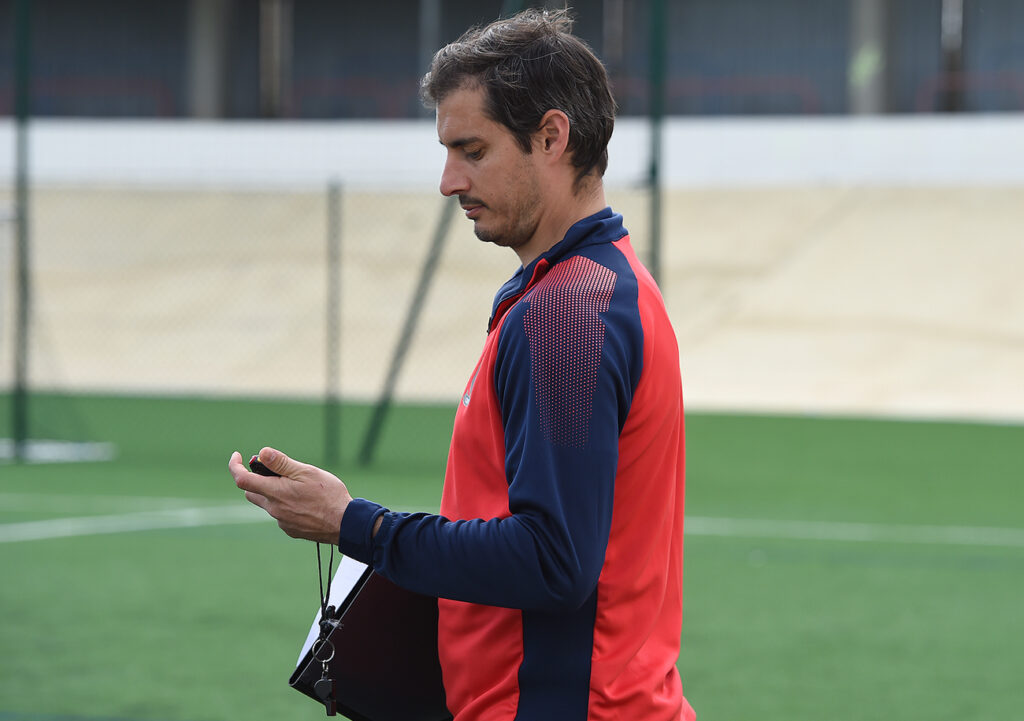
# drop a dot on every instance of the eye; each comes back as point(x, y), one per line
point(474, 154)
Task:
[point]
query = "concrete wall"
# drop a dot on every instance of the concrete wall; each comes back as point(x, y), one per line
point(860, 267)
point(908, 150)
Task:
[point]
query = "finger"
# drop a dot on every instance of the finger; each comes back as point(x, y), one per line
point(235, 463)
point(235, 466)
point(246, 479)
point(279, 463)
point(257, 500)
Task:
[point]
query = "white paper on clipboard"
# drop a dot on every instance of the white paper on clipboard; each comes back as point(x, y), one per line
point(346, 578)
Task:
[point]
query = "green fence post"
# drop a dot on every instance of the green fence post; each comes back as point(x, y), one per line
point(22, 111)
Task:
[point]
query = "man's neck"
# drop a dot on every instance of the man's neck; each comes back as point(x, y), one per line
point(563, 215)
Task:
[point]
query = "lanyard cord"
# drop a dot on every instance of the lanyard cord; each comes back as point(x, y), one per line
point(323, 649)
point(324, 599)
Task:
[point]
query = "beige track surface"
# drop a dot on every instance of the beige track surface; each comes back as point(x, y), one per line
point(824, 300)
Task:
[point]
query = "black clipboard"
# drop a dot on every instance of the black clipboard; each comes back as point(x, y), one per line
point(385, 663)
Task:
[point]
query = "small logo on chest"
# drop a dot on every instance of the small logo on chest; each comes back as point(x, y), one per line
point(469, 391)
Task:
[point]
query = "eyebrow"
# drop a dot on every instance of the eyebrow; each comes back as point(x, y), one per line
point(459, 142)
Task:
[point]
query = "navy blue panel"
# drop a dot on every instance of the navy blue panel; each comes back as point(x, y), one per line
point(554, 679)
point(993, 55)
point(741, 57)
point(356, 59)
point(119, 58)
point(125, 58)
point(915, 54)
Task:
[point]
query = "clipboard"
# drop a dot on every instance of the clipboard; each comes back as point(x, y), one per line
point(385, 662)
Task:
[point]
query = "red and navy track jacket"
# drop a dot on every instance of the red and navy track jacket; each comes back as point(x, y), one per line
point(557, 557)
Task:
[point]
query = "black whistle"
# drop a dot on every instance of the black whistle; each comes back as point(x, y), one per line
point(324, 689)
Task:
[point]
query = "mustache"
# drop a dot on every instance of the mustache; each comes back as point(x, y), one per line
point(468, 200)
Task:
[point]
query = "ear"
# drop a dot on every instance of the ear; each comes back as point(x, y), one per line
point(552, 136)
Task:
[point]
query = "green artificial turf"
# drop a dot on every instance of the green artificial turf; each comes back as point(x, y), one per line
point(205, 623)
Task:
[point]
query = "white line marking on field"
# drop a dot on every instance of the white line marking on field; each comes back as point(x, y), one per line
point(91, 503)
point(41, 450)
point(139, 513)
point(856, 532)
point(128, 522)
point(145, 513)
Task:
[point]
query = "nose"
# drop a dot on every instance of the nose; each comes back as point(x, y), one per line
point(453, 179)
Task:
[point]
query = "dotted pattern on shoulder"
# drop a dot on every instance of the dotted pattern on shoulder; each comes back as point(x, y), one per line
point(566, 339)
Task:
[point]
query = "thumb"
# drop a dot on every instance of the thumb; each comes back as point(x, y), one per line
point(279, 463)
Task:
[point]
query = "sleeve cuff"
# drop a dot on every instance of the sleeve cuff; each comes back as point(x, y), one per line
point(355, 538)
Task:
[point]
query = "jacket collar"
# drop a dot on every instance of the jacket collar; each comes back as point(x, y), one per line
point(604, 226)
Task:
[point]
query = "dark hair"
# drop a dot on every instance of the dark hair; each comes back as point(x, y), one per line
point(529, 64)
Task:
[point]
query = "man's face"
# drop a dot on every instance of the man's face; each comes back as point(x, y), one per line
point(497, 183)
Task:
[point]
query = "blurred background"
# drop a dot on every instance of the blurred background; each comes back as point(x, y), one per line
point(220, 227)
point(226, 197)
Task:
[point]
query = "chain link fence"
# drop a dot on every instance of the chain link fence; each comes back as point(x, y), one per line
point(780, 240)
point(145, 282)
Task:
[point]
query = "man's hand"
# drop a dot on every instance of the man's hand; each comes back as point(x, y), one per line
point(306, 501)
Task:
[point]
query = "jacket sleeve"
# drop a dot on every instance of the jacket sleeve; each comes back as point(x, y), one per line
point(568, 361)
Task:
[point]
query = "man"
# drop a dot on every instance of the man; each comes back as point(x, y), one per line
point(557, 555)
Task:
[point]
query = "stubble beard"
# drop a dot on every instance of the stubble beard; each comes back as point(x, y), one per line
point(508, 237)
point(521, 224)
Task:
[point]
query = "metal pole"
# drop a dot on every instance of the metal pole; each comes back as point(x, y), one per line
point(953, 99)
point(208, 33)
point(866, 83)
point(22, 111)
point(276, 30)
point(332, 395)
point(657, 91)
